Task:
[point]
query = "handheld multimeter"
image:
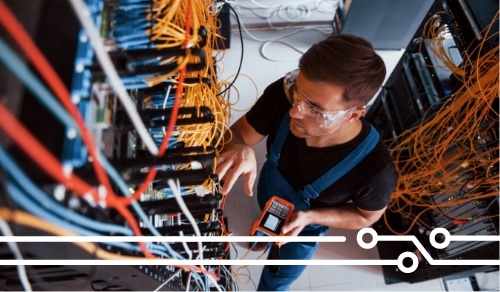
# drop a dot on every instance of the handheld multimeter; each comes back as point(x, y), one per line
point(275, 214)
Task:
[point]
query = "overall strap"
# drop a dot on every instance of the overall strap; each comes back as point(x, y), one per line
point(313, 189)
point(280, 138)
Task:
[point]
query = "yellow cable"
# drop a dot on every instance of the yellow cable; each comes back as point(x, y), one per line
point(23, 218)
point(443, 154)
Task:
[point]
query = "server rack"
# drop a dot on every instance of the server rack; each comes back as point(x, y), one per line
point(421, 87)
point(61, 39)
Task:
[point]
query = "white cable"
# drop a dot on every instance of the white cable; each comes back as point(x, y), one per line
point(83, 15)
point(278, 39)
point(167, 94)
point(264, 46)
point(267, 43)
point(188, 281)
point(186, 247)
point(176, 189)
point(215, 283)
point(292, 11)
point(330, 6)
point(21, 269)
point(260, 5)
point(281, 36)
point(299, 29)
point(168, 280)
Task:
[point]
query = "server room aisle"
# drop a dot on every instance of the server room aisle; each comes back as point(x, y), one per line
point(241, 210)
point(264, 62)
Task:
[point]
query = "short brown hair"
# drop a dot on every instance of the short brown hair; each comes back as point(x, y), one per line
point(347, 61)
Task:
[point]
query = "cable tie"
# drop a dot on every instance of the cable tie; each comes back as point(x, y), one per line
point(102, 194)
point(67, 169)
point(71, 133)
point(90, 199)
point(59, 192)
point(75, 98)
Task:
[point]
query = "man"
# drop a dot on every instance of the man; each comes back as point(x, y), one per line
point(313, 121)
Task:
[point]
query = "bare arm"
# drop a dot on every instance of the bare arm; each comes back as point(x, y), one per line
point(346, 217)
point(238, 158)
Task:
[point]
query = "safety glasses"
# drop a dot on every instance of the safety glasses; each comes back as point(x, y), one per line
point(297, 98)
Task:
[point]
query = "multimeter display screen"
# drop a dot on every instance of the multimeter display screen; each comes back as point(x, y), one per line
point(272, 222)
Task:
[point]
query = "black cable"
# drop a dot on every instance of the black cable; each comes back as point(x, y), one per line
point(241, 56)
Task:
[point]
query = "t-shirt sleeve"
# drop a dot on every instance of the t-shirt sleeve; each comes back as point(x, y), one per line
point(266, 113)
point(376, 194)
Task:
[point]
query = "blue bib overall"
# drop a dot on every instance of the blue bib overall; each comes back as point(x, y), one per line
point(272, 182)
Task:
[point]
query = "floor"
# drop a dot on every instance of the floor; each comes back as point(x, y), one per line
point(263, 62)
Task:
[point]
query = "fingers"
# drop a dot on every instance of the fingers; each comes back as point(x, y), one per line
point(292, 230)
point(227, 172)
point(293, 227)
point(229, 179)
point(231, 173)
point(233, 163)
point(222, 167)
point(249, 181)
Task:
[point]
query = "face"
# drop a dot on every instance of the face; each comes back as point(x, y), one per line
point(318, 109)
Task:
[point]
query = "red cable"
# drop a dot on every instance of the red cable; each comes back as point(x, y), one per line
point(46, 160)
point(142, 188)
point(46, 71)
point(172, 121)
point(134, 226)
point(179, 89)
point(36, 151)
point(24, 41)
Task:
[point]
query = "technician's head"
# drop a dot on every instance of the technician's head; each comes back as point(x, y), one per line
point(336, 78)
point(347, 61)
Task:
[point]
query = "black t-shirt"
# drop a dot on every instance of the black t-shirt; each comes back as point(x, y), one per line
point(369, 184)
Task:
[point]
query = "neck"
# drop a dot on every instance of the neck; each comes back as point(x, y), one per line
point(345, 133)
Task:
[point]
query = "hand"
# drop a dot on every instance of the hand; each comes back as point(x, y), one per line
point(299, 220)
point(237, 160)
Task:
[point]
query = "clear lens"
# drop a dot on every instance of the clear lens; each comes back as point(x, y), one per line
point(289, 85)
point(330, 118)
point(295, 97)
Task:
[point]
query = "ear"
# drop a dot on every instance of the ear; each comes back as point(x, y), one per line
point(356, 114)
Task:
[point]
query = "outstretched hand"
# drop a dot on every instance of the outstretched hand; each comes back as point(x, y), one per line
point(237, 160)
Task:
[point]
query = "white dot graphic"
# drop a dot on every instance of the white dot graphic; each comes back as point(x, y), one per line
point(410, 269)
point(445, 233)
point(367, 245)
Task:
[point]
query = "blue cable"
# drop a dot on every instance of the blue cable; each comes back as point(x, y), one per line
point(23, 73)
point(122, 186)
point(135, 5)
point(21, 199)
point(135, 82)
point(40, 196)
point(43, 95)
point(136, 22)
point(127, 2)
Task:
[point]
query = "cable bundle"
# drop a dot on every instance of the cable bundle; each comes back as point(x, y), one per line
point(183, 35)
point(143, 123)
point(451, 158)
